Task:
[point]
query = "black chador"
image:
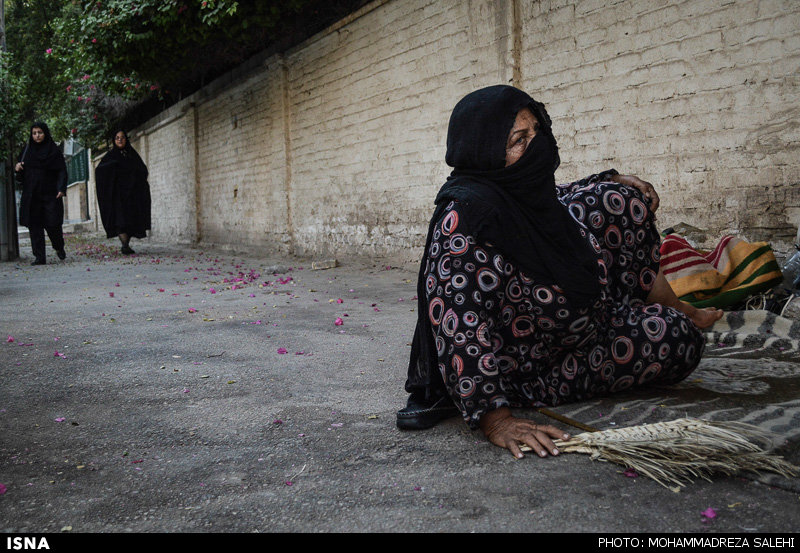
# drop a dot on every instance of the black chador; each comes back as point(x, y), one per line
point(43, 173)
point(123, 193)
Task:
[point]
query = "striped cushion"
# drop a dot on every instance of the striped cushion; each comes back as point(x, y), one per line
point(723, 277)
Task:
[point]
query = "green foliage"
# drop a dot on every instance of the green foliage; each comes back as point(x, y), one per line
point(167, 44)
point(28, 77)
point(83, 65)
point(11, 90)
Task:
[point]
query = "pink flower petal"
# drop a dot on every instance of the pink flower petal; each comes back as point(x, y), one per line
point(630, 473)
point(192, 310)
point(338, 321)
point(282, 350)
point(60, 419)
point(709, 513)
point(2, 489)
point(10, 339)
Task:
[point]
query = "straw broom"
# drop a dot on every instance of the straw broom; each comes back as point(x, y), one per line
point(678, 451)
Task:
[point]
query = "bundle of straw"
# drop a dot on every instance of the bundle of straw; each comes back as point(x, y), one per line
point(677, 451)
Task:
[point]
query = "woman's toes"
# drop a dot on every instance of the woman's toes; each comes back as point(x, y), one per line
point(705, 318)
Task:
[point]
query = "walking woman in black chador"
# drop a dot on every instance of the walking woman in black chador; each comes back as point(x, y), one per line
point(43, 173)
point(123, 193)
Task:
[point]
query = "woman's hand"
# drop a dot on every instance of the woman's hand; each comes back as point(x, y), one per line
point(19, 166)
point(509, 432)
point(59, 195)
point(642, 186)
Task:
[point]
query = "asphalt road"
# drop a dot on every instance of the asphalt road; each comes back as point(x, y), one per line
point(200, 390)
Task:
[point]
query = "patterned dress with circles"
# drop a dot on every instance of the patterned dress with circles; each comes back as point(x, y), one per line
point(503, 339)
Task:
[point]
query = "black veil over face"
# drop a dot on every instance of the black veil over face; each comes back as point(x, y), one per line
point(515, 209)
point(480, 123)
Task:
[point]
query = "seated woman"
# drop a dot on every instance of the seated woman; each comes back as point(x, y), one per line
point(534, 294)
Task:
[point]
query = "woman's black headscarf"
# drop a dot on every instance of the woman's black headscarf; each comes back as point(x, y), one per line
point(514, 208)
point(44, 154)
point(126, 156)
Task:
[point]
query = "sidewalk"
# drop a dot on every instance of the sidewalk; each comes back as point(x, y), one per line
point(192, 390)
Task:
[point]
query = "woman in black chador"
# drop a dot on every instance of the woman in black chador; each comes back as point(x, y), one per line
point(43, 173)
point(123, 193)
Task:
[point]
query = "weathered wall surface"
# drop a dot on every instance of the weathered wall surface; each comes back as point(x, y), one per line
point(169, 152)
point(368, 113)
point(241, 162)
point(336, 147)
point(699, 97)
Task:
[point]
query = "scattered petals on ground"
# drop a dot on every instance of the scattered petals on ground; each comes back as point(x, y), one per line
point(709, 513)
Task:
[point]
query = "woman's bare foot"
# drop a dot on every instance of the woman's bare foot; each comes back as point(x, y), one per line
point(702, 317)
point(663, 293)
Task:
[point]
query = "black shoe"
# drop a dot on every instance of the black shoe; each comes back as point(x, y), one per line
point(127, 250)
point(38, 262)
point(421, 414)
point(61, 254)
